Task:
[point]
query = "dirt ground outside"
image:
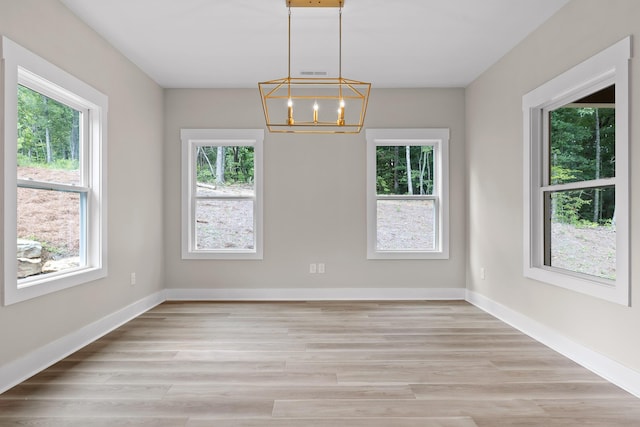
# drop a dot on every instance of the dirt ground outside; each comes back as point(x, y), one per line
point(588, 250)
point(50, 217)
point(406, 225)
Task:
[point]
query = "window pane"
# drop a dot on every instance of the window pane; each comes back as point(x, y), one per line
point(582, 231)
point(582, 136)
point(48, 139)
point(48, 231)
point(404, 169)
point(405, 225)
point(224, 171)
point(224, 224)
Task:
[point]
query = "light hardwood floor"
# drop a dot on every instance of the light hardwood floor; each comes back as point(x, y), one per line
point(355, 364)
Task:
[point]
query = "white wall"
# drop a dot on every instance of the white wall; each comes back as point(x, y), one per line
point(134, 184)
point(314, 204)
point(494, 177)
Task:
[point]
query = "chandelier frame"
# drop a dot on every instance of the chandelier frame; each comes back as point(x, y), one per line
point(350, 97)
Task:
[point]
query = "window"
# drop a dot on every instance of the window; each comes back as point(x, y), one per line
point(576, 178)
point(222, 193)
point(407, 189)
point(54, 213)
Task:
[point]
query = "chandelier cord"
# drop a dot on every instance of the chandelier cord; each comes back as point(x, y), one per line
point(289, 49)
point(289, 56)
point(340, 41)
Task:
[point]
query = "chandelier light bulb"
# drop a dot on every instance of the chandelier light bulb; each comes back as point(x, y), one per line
point(340, 121)
point(290, 120)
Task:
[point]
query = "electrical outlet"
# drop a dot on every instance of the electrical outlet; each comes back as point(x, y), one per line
point(133, 278)
point(321, 268)
point(482, 273)
point(313, 268)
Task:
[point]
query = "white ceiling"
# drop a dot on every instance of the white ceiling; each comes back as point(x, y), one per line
point(390, 43)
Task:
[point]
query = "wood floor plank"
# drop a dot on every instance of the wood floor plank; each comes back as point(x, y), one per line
point(168, 377)
point(169, 366)
point(529, 390)
point(317, 364)
point(111, 421)
point(86, 391)
point(621, 408)
point(115, 356)
point(335, 422)
point(323, 408)
point(289, 391)
point(164, 408)
point(549, 421)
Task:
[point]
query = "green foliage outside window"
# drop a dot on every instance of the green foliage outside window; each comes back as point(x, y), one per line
point(403, 170)
point(228, 165)
point(582, 149)
point(48, 132)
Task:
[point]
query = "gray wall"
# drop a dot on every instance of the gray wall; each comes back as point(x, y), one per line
point(134, 174)
point(314, 205)
point(495, 216)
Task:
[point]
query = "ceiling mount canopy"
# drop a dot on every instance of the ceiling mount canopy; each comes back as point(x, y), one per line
point(315, 3)
point(315, 104)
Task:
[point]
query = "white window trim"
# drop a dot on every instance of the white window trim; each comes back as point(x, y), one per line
point(608, 67)
point(23, 66)
point(191, 138)
point(439, 138)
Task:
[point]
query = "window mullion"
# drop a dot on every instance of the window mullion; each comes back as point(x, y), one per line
point(579, 185)
point(406, 197)
point(252, 198)
point(53, 186)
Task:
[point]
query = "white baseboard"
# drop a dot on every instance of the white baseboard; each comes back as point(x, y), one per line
point(610, 370)
point(25, 367)
point(315, 294)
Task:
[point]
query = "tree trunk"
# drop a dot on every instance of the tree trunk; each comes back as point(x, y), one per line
point(422, 164)
point(429, 171)
point(47, 136)
point(236, 161)
point(206, 158)
point(596, 197)
point(220, 165)
point(408, 156)
point(396, 158)
point(74, 138)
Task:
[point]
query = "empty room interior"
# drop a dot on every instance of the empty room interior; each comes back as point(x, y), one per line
point(319, 213)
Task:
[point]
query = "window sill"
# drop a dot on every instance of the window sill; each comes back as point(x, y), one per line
point(37, 287)
point(612, 291)
point(406, 255)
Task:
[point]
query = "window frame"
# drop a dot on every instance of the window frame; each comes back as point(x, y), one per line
point(22, 67)
point(191, 139)
point(609, 67)
point(439, 139)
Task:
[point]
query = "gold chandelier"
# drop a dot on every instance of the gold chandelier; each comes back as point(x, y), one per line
point(314, 104)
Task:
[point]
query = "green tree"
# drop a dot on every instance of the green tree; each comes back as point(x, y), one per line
point(583, 149)
point(397, 174)
point(48, 131)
